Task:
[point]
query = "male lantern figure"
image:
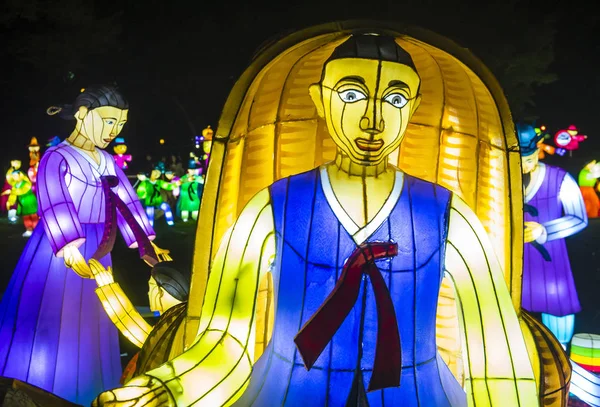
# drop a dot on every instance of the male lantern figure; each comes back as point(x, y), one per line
point(357, 250)
point(554, 210)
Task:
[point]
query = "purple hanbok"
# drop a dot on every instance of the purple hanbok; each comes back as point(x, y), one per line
point(548, 286)
point(54, 333)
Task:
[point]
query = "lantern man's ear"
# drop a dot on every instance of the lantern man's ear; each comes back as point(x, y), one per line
point(317, 97)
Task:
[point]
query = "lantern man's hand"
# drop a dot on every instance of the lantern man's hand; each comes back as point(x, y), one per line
point(142, 391)
point(103, 276)
point(75, 261)
point(535, 232)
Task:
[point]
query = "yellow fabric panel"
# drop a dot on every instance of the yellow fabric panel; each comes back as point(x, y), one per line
point(257, 170)
point(458, 165)
point(227, 209)
point(265, 314)
point(296, 145)
point(447, 331)
point(493, 202)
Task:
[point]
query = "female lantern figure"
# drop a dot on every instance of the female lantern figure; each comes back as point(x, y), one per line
point(54, 333)
point(357, 250)
point(120, 156)
point(588, 179)
point(149, 191)
point(554, 209)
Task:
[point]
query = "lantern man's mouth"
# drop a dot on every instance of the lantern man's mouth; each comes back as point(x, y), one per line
point(369, 145)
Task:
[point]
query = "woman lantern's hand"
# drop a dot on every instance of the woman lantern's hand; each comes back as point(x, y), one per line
point(75, 261)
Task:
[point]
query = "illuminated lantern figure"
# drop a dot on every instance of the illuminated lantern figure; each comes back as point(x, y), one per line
point(12, 209)
point(54, 332)
point(168, 294)
point(34, 160)
point(21, 194)
point(585, 358)
point(569, 139)
point(355, 252)
point(120, 157)
point(547, 148)
point(171, 195)
point(191, 191)
point(149, 190)
point(207, 137)
point(588, 178)
point(554, 209)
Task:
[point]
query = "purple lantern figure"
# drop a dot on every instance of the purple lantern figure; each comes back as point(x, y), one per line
point(554, 209)
point(54, 332)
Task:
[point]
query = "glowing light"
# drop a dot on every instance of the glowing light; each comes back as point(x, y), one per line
point(161, 141)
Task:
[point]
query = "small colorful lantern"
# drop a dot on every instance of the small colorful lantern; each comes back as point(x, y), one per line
point(588, 178)
point(547, 148)
point(569, 138)
point(585, 351)
point(120, 157)
point(585, 359)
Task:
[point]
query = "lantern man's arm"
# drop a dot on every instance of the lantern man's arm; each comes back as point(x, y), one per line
point(142, 190)
point(118, 307)
point(497, 367)
point(216, 369)
point(575, 216)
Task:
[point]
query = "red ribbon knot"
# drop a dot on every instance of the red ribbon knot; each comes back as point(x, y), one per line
point(320, 328)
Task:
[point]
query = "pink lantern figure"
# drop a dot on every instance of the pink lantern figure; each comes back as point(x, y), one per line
point(569, 138)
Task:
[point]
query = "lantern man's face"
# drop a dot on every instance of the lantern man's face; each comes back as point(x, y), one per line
point(155, 174)
point(101, 125)
point(120, 149)
point(16, 164)
point(367, 104)
point(529, 162)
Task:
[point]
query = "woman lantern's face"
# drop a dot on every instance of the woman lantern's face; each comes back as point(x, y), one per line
point(101, 125)
point(367, 104)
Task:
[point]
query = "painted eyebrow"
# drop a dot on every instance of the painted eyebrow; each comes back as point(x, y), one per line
point(358, 79)
point(106, 118)
point(398, 84)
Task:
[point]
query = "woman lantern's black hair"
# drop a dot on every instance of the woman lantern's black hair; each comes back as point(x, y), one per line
point(169, 277)
point(92, 97)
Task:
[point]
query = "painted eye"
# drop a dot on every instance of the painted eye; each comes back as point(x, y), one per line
point(352, 95)
point(109, 122)
point(121, 124)
point(396, 100)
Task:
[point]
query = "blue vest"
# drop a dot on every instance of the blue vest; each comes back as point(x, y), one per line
point(312, 247)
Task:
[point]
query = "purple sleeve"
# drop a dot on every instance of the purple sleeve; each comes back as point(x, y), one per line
point(55, 206)
point(130, 198)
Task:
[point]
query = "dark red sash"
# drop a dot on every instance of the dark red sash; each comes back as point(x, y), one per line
point(318, 331)
point(112, 203)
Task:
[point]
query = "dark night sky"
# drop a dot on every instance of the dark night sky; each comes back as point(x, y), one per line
point(177, 58)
